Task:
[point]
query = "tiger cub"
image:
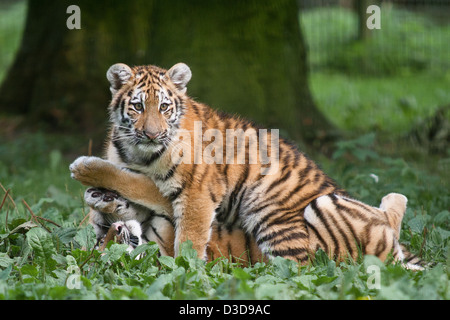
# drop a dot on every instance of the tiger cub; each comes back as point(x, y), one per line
point(375, 230)
point(194, 176)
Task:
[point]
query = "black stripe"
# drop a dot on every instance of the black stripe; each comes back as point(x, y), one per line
point(312, 229)
point(168, 175)
point(174, 195)
point(117, 102)
point(341, 232)
point(260, 208)
point(239, 203)
point(381, 245)
point(305, 200)
point(219, 231)
point(290, 237)
point(157, 234)
point(284, 233)
point(238, 187)
point(354, 213)
point(295, 191)
point(355, 235)
point(212, 196)
point(165, 217)
point(123, 155)
point(196, 110)
point(156, 155)
point(289, 216)
point(291, 252)
point(321, 217)
point(122, 109)
point(277, 182)
point(305, 171)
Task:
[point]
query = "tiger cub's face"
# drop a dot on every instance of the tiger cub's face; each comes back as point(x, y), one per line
point(147, 105)
point(125, 232)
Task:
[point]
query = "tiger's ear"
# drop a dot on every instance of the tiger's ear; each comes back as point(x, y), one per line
point(180, 74)
point(117, 75)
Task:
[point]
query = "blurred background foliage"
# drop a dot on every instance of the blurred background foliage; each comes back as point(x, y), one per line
point(394, 81)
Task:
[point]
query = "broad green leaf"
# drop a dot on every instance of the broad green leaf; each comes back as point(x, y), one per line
point(85, 237)
point(5, 260)
point(305, 280)
point(149, 249)
point(42, 245)
point(114, 252)
point(442, 217)
point(6, 273)
point(65, 235)
point(36, 207)
point(187, 251)
point(241, 274)
point(282, 267)
point(168, 262)
point(417, 224)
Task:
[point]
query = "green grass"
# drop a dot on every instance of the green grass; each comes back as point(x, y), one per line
point(388, 104)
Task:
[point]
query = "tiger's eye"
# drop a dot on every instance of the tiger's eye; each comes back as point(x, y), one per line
point(163, 107)
point(138, 106)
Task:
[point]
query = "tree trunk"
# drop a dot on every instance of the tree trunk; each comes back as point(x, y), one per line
point(247, 57)
point(360, 7)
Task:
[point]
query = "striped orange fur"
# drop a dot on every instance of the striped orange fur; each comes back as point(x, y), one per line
point(154, 122)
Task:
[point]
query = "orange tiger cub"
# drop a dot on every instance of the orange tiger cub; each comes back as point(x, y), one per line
point(254, 179)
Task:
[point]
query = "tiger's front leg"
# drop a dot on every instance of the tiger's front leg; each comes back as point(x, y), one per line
point(137, 188)
point(193, 218)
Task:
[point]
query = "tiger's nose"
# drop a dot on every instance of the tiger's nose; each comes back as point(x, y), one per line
point(151, 135)
point(118, 227)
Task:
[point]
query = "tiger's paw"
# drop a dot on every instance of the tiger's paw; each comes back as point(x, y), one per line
point(105, 201)
point(91, 171)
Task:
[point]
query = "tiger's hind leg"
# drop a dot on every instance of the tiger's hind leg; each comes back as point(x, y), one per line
point(394, 204)
point(278, 231)
point(105, 201)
